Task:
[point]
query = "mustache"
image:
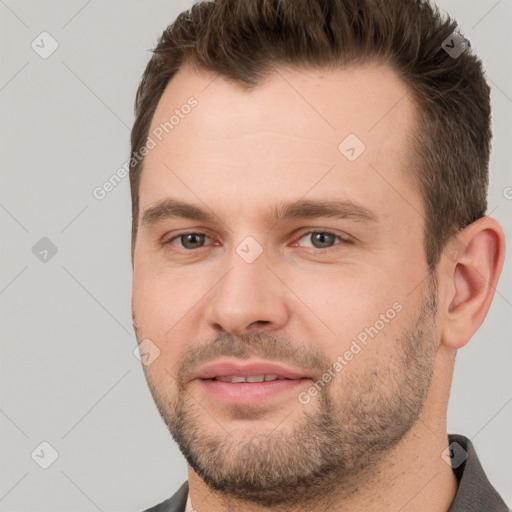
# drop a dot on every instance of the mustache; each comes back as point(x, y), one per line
point(262, 345)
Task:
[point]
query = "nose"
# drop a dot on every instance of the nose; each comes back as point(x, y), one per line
point(249, 298)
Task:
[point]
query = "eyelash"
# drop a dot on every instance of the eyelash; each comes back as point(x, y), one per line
point(317, 250)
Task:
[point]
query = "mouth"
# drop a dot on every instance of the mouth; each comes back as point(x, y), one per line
point(235, 383)
point(252, 378)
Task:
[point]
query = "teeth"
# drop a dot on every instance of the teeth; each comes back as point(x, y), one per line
point(237, 379)
point(256, 378)
point(252, 378)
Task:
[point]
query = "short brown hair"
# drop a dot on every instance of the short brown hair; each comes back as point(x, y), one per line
point(244, 40)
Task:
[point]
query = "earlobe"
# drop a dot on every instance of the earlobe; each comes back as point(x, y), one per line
point(474, 269)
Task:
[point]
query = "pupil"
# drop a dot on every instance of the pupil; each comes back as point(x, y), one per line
point(191, 241)
point(323, 239)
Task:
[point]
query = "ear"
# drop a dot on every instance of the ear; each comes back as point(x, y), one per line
point(472, 265)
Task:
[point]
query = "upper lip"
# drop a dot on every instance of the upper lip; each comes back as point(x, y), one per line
point(230, 368)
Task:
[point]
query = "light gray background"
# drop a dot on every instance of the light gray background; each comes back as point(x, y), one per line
point(68, 373)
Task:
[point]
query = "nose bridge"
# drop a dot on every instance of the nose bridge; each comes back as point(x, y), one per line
point(246, 278)
point(248, 295)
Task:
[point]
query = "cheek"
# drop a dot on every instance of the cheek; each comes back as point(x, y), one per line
point(160, 309)
point(364, 314)
point(166, 300)
point(349, 298)
point(148, 299)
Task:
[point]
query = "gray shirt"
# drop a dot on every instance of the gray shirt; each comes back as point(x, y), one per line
point(474, 493)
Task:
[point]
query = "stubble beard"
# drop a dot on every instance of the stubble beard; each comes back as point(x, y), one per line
point(345, 433)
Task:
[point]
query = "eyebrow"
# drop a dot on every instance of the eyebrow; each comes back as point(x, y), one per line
point(297, 210)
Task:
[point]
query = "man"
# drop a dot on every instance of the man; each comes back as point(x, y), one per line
point(310, 249)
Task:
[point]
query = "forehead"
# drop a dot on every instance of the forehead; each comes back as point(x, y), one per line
point(330, 133)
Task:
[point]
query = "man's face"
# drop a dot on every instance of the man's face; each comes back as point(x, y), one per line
point(339, 276)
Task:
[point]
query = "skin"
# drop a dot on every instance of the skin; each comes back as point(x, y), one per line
point(236, 155)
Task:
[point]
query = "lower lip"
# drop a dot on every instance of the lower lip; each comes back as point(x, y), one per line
point(246, 393)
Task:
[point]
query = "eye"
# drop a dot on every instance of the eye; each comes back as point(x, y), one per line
point(189, 241)
point(320, 239)
point(313, 239)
